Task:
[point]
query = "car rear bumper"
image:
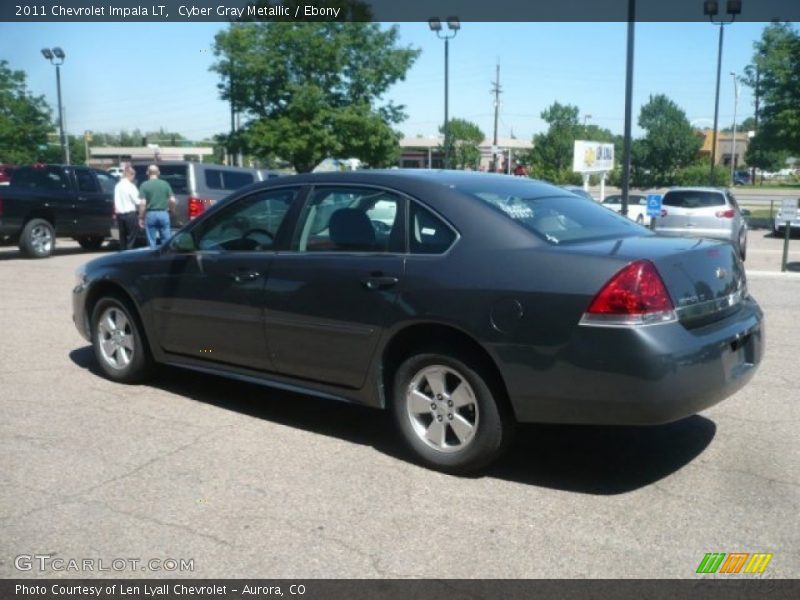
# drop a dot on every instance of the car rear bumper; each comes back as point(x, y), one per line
point(634, 376)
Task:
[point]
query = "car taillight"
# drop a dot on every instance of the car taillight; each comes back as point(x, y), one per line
point(726, 214)
point(635, 296)
point(196, 206)
point(664, 212)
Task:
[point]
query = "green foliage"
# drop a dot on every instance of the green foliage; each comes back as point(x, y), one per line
point(762, 155)
point(552, 153)
point(699, 173)
point(301, 87)
point(24, 119)
point(669, 145)
point(777, 59)
point(465, 139)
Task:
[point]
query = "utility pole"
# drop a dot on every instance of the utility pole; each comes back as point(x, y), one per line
point(755, 119)
point(735, 107)
point(496, 91)
point(233, 116)
point(626, 154)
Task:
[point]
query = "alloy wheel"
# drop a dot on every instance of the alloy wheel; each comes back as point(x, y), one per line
point(115, 338)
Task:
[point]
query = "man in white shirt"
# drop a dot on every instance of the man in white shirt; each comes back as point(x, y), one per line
point(126, 206)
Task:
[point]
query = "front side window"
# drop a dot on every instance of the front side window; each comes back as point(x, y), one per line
point(107, 182)
point(344, 219)
point(249, 225)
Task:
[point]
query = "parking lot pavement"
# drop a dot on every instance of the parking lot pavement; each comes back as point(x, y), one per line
point(250, 482)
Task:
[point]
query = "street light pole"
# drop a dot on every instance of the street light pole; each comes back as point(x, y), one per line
point(56, 57)
point(453, 24)
point(735, 108)
point(626, 153)
point(711, 9)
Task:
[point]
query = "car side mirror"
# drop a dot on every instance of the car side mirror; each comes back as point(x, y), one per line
point(746, 212)
point(183, 242)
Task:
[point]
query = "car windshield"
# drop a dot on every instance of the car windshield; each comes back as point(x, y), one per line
point(562, 219)
point(693, 199)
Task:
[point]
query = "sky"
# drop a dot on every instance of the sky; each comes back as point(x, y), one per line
point(146, 76)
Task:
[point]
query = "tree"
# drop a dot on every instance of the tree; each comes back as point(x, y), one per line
point(465, 139)
point(551, 157)
point(670, 142)
point(307, 88)
point(762, 155)
point(749, 124)
point(24, 119)
point(777, 62)
point(552, 154)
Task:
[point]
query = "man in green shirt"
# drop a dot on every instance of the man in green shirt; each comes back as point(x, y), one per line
point(157, 198)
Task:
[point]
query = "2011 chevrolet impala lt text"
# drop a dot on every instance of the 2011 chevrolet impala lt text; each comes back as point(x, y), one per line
point(461, 302)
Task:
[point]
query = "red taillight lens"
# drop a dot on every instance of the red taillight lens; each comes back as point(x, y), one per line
point(635, 290)
point(726, 214)
point(196, 206)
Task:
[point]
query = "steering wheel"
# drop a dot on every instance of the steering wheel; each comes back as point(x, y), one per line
point(250, 232)
point(381, 227)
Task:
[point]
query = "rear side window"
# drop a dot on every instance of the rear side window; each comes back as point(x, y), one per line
point(86, 181)
point(217, 179)
point(428, 234)
point(693, 199)
point(40, 178)
point(175, 175)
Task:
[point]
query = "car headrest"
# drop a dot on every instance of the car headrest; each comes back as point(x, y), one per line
point(351, 229)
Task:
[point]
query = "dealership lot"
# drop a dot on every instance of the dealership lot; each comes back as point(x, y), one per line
point(251, 482)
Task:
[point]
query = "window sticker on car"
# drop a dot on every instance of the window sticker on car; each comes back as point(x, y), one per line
point(428, 231)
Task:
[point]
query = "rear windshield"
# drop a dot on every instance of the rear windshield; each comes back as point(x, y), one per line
point(174, 175)
point(52, 179)
point(690, 199)
point(562, 219)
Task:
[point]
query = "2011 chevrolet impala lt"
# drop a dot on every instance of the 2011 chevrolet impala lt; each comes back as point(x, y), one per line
point(462, 302)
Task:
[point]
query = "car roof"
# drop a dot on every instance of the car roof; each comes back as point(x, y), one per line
point(532, 188)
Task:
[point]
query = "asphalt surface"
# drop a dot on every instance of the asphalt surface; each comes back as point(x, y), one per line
point(250, 482)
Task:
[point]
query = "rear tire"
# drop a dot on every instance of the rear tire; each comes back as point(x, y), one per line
point(448, 413)
point(38, 239)
point(118, 341)
point(91, 242)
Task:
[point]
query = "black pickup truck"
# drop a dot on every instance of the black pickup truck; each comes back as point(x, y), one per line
point(43, 202)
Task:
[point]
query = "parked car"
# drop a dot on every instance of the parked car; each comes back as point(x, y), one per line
point(43, 202)
point(779, 224)
point(452, 318)
point(637, 206)
point(703, 212)
point(5, 174)
point(741, 178)
point(578, 191)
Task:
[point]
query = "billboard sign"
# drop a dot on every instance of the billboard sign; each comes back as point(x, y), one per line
point(592, 157)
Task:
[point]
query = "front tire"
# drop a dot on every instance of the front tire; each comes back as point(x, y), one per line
point(118, 341)
point(448, 412)
point(38, 239)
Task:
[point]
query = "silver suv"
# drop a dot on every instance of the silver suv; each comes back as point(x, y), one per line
point(199, 185)
point(703, 212)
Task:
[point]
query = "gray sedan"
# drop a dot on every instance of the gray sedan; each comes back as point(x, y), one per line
point(461, 302)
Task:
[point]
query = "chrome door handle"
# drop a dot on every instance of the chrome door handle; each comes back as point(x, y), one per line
point(242, 277)
point(378, 282)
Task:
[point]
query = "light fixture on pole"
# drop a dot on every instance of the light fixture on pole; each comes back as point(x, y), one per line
point(453, 24)
point(735, 107)
point(711, 10)
point(56, 57)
